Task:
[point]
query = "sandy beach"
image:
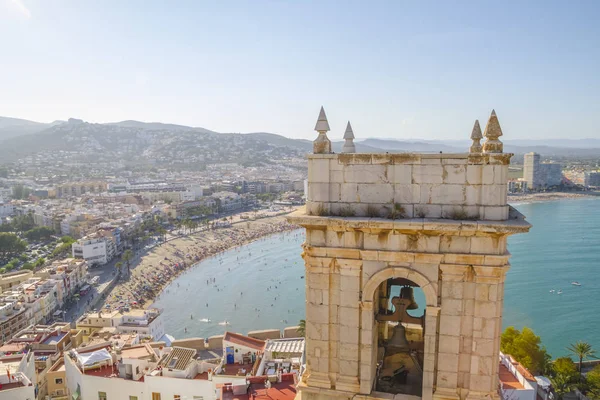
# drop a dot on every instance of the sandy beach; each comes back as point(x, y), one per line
point(549, 196)
point(153, 269)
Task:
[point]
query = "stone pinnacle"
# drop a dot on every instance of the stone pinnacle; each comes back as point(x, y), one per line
point(322, 124)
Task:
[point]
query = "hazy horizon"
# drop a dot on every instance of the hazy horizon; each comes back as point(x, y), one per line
point(396, 70)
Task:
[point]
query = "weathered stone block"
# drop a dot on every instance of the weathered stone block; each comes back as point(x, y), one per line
point(376, 193)
point(448, 362)
point(449, 344)
point(451, 307)
point(318, 171)
point(349, 336)
point(349, 283)
point(473, 195)
point(402, 173)
point(455, 244)
point(349, 193)
point(493, 195)
point(455, 174)
point(318, 192)
point(407, 193)
point(448, 194)
point(350, 298)
point(315, 237)
point(487, 174)
point(427, 173)
point(366, 174)
point(334, 193)
point(349, 368)
point(495, 213)
point(500, 174)
point(474, 174)
point(318, 314)
point(449, 325)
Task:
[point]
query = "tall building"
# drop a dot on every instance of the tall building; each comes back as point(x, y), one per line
point(531, 169)
point(592, 178)
point(540, 175)
point(412, 228)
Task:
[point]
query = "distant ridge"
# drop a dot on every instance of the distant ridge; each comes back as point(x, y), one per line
point(20, 137)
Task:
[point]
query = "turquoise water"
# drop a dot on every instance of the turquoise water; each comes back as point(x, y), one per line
point(260, 285)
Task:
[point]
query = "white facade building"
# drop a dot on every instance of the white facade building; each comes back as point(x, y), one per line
point(93, 250)
point(6, 209)
point(144, 322)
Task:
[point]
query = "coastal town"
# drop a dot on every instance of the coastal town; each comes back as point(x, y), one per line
point(90, 258)
point(299, 200)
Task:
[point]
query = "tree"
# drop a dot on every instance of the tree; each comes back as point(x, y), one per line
point(302, 328)
point(28, 266)
point(11, 245)
point(20, 192)
point(526, 348)
point(118, 266)
point(127, 256)
point(39, 233)
point(581, 350)
point(593, 381)
point(564, 376)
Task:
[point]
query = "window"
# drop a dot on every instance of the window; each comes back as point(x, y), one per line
point(133, 398)
point(176, 397)
point(155, 396)
point(102, 396)
point(137, 370)
point(58, 381)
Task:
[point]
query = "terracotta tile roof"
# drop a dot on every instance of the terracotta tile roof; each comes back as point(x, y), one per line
point(246, 341)
point(178, 358)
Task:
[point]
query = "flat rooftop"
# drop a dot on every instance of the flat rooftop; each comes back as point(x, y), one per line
point(55, 338)
point(508, 380)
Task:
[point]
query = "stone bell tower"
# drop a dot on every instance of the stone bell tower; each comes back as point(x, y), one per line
point(380, 226)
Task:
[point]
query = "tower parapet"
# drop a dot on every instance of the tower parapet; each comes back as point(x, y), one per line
point(378, 222)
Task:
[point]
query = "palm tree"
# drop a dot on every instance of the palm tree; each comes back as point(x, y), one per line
point(118, 266)
point(301, 328)
point(127, 256)
point(581, 350)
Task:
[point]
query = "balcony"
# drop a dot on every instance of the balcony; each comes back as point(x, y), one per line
point(17, 380)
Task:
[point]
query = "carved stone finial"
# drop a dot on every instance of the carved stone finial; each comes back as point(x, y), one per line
point(349, 140)
point(476, 137)
point(322, 145)
point(492, 133)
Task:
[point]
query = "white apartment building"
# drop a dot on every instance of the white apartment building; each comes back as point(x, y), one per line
point(17, 381)
point(72, 272)
point(6, 194)
point(94, 250)
point(6, 209)
point(169, 373)
point(146, 323)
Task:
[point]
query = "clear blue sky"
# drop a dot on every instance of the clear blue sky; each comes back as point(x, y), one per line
point(395, 69)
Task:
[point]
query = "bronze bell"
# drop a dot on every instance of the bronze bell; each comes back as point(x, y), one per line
point(397, 342)
point(406, 293)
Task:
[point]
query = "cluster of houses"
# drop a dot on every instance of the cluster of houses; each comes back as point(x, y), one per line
point(104, 358)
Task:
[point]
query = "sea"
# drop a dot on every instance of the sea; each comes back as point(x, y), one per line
point(261, 285)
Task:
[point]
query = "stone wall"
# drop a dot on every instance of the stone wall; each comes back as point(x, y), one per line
point(453, 186)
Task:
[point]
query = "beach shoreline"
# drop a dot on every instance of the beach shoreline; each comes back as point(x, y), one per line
point(549, 196)
point(152, 271)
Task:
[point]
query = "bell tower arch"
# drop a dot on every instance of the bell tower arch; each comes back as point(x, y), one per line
point(379, 226)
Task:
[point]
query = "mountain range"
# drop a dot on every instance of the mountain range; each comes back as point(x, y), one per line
point(19, 137)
